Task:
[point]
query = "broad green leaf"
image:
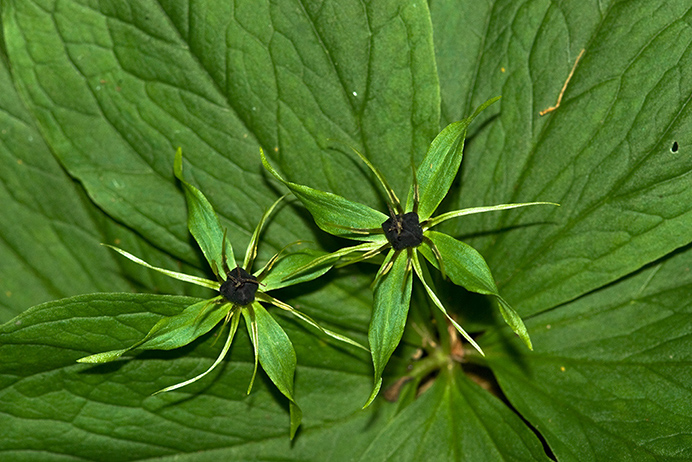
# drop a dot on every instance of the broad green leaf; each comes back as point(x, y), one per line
point(467, 268)
point(460, 33)
point(277, 357)
point(610, 377)
point(440, 165)
point(72, 407)
point(204, 224)
point(391, 302)
point(50, 232)
point(174, 331)
point(455, 420)
point(335, 214)
point(365, 75)
point(219, 80)
point(605, 154)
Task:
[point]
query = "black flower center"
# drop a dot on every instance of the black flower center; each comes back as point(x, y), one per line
point(240, 287)
point(403, 231)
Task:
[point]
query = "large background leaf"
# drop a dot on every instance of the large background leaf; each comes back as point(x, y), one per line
point(107, 412)
point(113, 88)
point(220, 82)
point(455, 420)
point(49, 230)
point(610, 376)
point(604, 155)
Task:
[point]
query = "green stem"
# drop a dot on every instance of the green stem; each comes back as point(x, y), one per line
point(435, 361)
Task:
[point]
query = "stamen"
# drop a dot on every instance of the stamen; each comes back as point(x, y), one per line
point(437, 254)
point(416, 192)
point(224, 263)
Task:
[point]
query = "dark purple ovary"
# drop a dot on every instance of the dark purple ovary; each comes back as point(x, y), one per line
point(239, 288)
point(403, 231)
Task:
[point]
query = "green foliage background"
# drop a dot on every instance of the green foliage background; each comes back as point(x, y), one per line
point(97, 95)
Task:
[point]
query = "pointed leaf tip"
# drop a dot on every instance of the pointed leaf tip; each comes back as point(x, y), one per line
point(296, 416)
point(178, 164)
point(483, 107)
point(375, 392)
point(514, 321)
point(105, 357)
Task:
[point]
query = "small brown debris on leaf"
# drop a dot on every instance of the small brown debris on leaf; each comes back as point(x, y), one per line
point(564, 87)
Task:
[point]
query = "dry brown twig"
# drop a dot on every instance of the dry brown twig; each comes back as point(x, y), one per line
point(564, 87)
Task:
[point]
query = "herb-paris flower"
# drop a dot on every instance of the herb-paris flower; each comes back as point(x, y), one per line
point(240, 294)
point(406, 231)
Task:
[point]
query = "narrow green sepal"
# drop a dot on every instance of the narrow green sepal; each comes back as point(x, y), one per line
point(322, 263)
point(172, 274)
point(473, 210)
point(296, 267)
point(251, 325)
point(231, 333)
point(440, 165)
point(203, 223)
point(391, 302)
point(278, 359)
point(391, 195)
point(251, 252)
point(467, 268)
point(423, 275)
point(332, 213)
point(307, 319)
